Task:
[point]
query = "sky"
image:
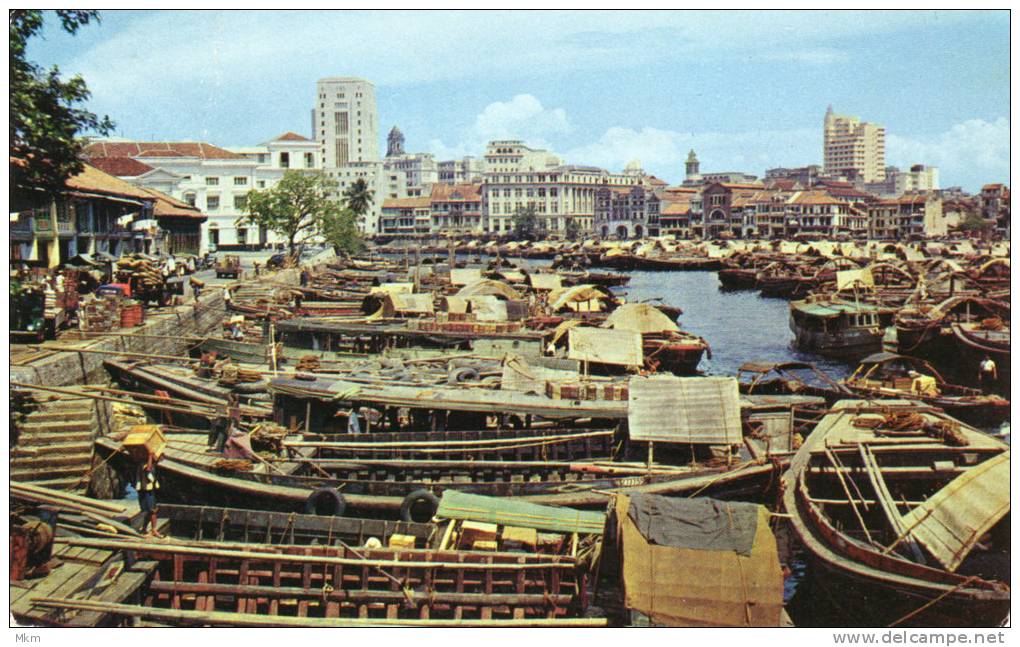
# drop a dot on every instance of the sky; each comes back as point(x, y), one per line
point(746, 89)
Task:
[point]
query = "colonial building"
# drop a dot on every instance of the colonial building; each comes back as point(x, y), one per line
point(210, 178)
point(994, 203)
point(921, 215)
point(558, 194)
point(883, 219)
point(405, 216)
point(459, 171)
point(98, 214)
point(853, 149)
point(723, 208)
point(676, 211)
point(419, 170)
point(819, 213)
point(626, 213)
point(456, 208)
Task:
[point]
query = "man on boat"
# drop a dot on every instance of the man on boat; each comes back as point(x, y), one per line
point(989, 373)
point(146, 484)
point(222, 426)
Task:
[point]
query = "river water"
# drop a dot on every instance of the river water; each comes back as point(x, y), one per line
point(739, 326)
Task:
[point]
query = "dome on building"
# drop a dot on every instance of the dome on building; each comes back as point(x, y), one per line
point(634, 168)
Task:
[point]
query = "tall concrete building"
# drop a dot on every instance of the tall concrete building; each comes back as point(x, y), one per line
point(853, 148)
point(345, 121)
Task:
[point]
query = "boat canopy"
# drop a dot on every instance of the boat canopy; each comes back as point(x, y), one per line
point(488, 286)
point(580, 298)
point(640, 317)
point(520, 514)
point(832, 310)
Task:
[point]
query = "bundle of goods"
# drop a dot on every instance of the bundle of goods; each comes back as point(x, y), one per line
point(587, 391)
point(144, 271)
point(232, 374)
point(123, 417)
point(99, 313)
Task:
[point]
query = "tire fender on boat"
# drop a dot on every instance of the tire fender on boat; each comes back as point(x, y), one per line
point(329, 499)
point(418, 496)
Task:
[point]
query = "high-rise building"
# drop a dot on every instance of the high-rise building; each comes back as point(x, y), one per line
point(345, 121)
point(853, 148)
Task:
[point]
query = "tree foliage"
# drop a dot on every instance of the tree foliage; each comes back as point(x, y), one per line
point(573, 229)
point(340, 230)
point(975, 223)
point(525, 223)
point(47, 121)
point(297, 207)
point(358, 197)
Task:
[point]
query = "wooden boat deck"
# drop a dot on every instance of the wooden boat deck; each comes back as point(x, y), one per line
point(91, 574)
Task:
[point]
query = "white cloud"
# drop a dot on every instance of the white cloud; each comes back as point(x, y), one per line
point(663, 152)
point(522, 117)
point(969, 154)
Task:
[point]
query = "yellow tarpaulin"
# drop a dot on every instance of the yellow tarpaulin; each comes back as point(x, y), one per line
point(684, 587)
point(617, 347)
point(954, 518)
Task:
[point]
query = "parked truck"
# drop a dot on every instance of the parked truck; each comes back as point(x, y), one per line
point(229, 265)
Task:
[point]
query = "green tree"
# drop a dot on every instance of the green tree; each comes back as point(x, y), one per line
point(46, 118)
point(340, 229)
point(525, 222)
point(975, 223)
point(358, 197)
point(294, 208)
point(573, 229)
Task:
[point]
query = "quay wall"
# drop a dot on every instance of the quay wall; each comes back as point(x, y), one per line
point(173, 328)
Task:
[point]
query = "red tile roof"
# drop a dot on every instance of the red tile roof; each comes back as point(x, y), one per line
point(291, 137)
point(93, 180)
point(443, 192)
point(120, 166)
point(420, 202)
point(159, 149)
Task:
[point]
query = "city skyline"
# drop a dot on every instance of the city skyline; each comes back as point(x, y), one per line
point(596, 89)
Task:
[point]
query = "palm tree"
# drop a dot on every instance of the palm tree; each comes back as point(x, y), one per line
point(358, 197)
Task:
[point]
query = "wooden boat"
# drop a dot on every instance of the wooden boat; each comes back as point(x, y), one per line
point(241, 351)
point(904, 516)
point(487, 562)
point(738, 278)
point(925, 330)
point(835, 328)
point(409, 489)
point(783, 280)
point(887, 375)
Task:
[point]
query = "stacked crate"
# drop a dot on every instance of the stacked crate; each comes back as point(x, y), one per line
point(99, 313)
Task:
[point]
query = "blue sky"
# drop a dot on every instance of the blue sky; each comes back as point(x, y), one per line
point(747, 90)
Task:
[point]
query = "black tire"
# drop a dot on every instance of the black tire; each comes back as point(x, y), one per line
point(462, 374)
point(326, 502)
point(415, 501)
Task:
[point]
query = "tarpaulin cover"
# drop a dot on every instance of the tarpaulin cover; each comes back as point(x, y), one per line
point(684, 587)
point(701, 523)
point(605, 346)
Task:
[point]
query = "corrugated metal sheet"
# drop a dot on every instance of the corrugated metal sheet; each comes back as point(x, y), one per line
point(617, 347)
point(546, 281)
point(846, 279)
point(509, 512)
point(412, 303)
point(953, 520)
point(519, 375)
point(394, 288)
point(703, 410)
point(488, 308)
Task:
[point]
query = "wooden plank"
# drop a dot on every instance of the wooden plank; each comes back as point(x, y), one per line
point(888, 504)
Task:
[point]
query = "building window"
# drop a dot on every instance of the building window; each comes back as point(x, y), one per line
point(212, 181)
point(284, 160)
point(261, 184)
point(214, 236)
point(240, 181)
point(309, 160)
point(212, 202)
point(190, 198)
point(242, 236)
point(241, 202)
